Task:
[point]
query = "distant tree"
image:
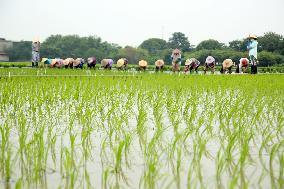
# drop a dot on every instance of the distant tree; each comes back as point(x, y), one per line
point(180, 41)
point(154, 45)
point(270, 42)
point(133, 54)
point(238, 45)
point(21, 51)
point(210, 44)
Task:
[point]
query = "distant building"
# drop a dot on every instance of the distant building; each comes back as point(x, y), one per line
point(4, 45)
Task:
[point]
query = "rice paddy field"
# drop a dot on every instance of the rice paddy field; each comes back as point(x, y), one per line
point(108, 129)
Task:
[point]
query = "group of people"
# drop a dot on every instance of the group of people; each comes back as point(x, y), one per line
point(189, 65)
point(193, 63)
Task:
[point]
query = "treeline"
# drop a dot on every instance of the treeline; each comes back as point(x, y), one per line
point(271, 49)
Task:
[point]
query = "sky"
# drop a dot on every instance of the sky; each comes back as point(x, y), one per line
point(130, 22)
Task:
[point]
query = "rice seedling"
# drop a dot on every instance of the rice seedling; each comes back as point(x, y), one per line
point(101, 129)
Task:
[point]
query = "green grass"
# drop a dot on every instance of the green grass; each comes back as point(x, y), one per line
point(111, 129)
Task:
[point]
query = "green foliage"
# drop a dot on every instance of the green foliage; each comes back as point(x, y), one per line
point(238, 45)
point(271, 42)
point(21, 51)
point(154, 45)
point(132, 54)
point(180, 41)
point(210, 44)
point(75, 46)
point(268, 58)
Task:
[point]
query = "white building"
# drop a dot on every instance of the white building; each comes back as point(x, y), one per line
point(4, 45)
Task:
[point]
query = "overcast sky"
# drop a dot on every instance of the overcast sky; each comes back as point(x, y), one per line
point(130, 22)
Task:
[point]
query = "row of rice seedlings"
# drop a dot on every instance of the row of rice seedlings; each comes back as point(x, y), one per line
point(86, 109)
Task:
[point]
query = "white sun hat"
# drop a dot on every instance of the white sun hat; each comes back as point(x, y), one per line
point(142, 63)
point(120, 63)
point(159, 63)
point(228, 63)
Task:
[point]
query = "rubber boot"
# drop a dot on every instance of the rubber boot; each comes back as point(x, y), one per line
point(33, 64)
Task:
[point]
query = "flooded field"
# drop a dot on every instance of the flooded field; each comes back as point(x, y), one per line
point(105, 129)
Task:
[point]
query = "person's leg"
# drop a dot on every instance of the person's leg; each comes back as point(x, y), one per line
point(212, 69)
point(222, 70)
point(190, 69)
point(240, 68)
point(33, 58)
point(196, 69)
point(230, 69)
point(37, 59)
point(205, 68)
point(185, 69)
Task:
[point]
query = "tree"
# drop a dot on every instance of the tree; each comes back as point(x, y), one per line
point(238, 45)
point(210, 44)
point(270, 42)
point(180, 41)
point(21, 51)
point(154, 45)
point(133, 55)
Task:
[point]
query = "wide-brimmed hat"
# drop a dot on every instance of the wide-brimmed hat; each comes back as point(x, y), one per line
point(228, 63)
point(104, 62)
point(252, 36)
point(176, 51)
point(77, 62)
point(190, 61)
point(44, 59)
point(53, 61)
point(142, 63)
point(210, 59)
point(91, 60)
point(36, 39)
point(159, 63)
point(120, 63)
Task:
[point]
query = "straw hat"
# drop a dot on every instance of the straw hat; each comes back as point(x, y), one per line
point(43, 59)
point(176, 51)
point(36, 39)
point(227, 63)
point(53, 61)
point(142, 63)
point(210, 59)
point(159, 63)
point(252, 36)
point(104, 62)
point(120, 63)
point(77, 62)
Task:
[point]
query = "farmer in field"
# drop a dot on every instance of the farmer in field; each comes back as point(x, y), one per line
point(78, 63)
point(57, 63)
point(252, 47)
point(68, 62)
point(107, 63)
point(159, 65)
point(227, 66)
point(35, 52)
point(243, 65)
point(122, 64)
point(209, 64)
point(46, 61)
point(142, 65)
point(191, 64)
point(92, 61)
point(176, 59)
